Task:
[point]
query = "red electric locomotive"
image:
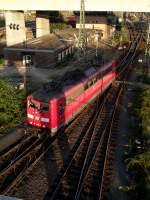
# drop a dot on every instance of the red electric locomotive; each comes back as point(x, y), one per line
point(58, 102)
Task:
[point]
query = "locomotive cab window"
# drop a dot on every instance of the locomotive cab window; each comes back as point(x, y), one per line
point(86, 87)
point(32, 104)
point(99, 76)
point(74, 95)
point(107, 71)
point(94, 80)
point(44, 107)
point(90, 83)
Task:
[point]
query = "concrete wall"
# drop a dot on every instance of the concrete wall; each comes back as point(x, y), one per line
point(15, 27)
point(42, 24)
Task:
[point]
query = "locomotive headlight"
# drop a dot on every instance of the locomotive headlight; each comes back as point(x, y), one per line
point(43, 126)
point(140, 60)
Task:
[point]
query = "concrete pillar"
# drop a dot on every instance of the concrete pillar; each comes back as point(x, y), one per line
point(15, 27)
point(42, 23)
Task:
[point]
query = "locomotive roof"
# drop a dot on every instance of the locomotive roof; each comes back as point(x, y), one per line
point(57, 87)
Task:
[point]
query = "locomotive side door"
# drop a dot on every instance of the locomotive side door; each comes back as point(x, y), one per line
point(61, 110)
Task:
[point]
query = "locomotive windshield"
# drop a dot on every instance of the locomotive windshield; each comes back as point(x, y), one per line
point(32, 104)
point(44, 106)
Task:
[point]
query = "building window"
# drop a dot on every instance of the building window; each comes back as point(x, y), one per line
point(63, 54)
point(66, 52)
point(70, 50)
point(59, 57)
point(27, 60)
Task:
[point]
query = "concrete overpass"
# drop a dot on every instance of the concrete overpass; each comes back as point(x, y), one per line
point(90, 5)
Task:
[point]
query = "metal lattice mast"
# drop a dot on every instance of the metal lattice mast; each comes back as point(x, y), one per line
point(147, 49)
point(82, 32)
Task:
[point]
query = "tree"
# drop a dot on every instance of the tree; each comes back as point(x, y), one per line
point(11, 106)
point(140, 167)
point(141, 161)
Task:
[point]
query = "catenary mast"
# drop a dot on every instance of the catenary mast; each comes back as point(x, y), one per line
point(147, 48)
point(82, 32)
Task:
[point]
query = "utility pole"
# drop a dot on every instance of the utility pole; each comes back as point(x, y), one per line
point(82, 41)
point(121, 21)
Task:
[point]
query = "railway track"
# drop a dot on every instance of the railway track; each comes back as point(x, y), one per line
point(21, 158)
point(17, 161)
point(97, 177)
point(94, 144)
point(87, 174)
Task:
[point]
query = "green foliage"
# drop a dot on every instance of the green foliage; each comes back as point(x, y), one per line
point(1, 61)
point(116, 38)
point(125, 34)
point(55, 17)
point(12, 106)
point(59, 26)
point(139, 166)
point(141, 107)
point(144, 79)
point(2, 22)
point(145, 114)
point(139, 161)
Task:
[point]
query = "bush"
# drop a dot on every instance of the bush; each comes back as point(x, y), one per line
point(145, 114)
point(1, 61)
point(59, 26)
point(12, 106)
point(139, 161)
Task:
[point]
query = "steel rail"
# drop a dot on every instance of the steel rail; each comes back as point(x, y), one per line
point(86, 158)
point(80, 185)
point(12, 153)
point(109, 141)
point(108, 150)
point(105, 135)
point(28, 161)
point(83, 168)
point(24, 155)
point(19, 158)
point(86, 135)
